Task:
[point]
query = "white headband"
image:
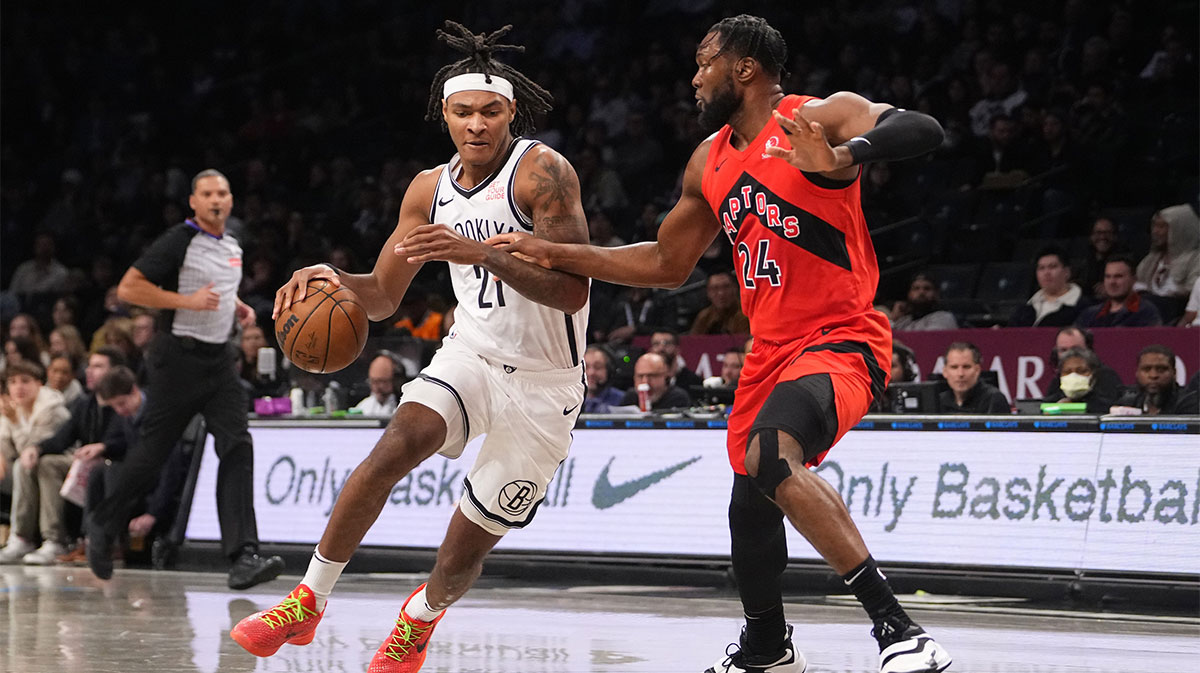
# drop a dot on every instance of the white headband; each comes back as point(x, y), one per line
point(475, 81)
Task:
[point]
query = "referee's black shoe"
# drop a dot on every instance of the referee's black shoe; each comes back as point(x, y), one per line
point(99, 551)
point(250, 569)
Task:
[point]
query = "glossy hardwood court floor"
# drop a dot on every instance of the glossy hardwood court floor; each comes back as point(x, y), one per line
point(59, 620)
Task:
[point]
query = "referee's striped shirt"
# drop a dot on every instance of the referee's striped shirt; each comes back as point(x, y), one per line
point(186, 258)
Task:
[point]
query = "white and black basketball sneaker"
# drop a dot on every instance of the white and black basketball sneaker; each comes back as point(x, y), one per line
point(736, 660)
point(906, 648)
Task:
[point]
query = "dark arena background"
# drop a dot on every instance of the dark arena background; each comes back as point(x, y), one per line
point(1062, 537)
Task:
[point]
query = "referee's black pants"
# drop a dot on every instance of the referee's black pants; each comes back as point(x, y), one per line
point(188, 377)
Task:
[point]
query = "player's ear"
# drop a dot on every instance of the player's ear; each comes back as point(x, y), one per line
point(745, 68)
point(512, 110)
point(445, 114)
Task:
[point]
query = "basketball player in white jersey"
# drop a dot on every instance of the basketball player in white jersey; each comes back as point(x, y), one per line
point(509, 369)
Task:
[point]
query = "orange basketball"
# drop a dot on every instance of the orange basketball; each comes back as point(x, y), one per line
point(326, 331)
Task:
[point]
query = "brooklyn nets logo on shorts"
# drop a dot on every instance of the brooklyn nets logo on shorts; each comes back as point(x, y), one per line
point(517, 496)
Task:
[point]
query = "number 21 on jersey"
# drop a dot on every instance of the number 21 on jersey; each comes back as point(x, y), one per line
point(485, 276)
point(757, 268)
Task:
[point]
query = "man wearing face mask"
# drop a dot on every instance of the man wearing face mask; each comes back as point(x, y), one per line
point(1157, 391)
point(1077, 376)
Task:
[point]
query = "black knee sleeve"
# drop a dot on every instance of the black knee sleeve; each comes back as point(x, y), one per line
point(772, 469)
point(759, 546)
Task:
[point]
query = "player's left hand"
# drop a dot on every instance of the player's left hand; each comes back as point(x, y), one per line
point(810, 151)
point(523, 246)
point(433, 242)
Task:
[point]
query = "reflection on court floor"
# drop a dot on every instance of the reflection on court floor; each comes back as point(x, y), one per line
point(57, 619)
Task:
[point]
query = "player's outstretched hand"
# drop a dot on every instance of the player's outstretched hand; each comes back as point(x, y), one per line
point(524, 247)
point(297, 286)
point(811, 151)
point(434, 242)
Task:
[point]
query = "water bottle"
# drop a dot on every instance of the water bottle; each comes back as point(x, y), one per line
point(329, 399)
point(643, 391)
point(297, 396)
point(266, 363)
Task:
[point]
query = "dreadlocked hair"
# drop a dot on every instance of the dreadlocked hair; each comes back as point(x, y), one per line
point(531, 98)
point(745, 35)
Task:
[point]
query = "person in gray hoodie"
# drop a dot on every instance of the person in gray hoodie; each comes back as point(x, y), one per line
point(1173, 263)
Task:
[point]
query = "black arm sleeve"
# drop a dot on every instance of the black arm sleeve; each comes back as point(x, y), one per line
point(898, 134)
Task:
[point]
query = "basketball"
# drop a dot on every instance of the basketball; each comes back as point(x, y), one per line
point(324, 332)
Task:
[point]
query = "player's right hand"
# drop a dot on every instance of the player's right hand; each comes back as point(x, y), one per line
point(297, 286)
point(204, 299)
point(524, 247)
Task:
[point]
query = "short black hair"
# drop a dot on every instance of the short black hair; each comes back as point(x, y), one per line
point(1055, 251)
point(746, 35)
point(1123, 259)
point(116, 357)
point(531, 98)
point(1158, 349)
point(976, 354)
point(208, 173)
point(119, 380)
point(1089, 356)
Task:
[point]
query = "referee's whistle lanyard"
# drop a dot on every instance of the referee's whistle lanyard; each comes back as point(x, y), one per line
point(192, 223)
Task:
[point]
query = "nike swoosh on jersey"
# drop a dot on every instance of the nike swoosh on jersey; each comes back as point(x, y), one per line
point(567, 412)
point(718, 166)
point(605, 495)
point(442, 203)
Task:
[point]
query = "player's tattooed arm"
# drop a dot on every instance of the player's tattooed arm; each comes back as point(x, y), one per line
point(548, 189)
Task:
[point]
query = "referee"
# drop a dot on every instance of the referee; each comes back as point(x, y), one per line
point(192, 272)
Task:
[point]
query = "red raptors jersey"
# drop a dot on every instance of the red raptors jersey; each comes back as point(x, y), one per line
point(802, 252)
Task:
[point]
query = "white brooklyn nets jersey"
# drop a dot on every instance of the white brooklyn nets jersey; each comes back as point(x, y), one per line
point(492, 319)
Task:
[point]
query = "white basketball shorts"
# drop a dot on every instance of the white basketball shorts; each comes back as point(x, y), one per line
point(527, 417)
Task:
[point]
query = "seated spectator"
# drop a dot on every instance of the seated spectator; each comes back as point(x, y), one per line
point(60, 376)
point(920, 312)
point(634, 311)
point(1157, 391)
point(41, 275)
point(968, 394)
point(1078, 382)
point(24, 326)
point(84, 436)
point(381, 377)
point(1058, 301)
point(1191, 313)
point(600, 397)
point(66, 340)
point(29, 413)
point(731, 369)
point(600, 230)
point(21, 349)
point(904, 364)
point(416, 318)
point(1122, 307)
point(65, 312)
point(724, 314)
point(1102, 244)
point(1172, 266)
point(1108, 382)
point(271, 383)
point(651, 369)
point(118, 390)
point(666, 343)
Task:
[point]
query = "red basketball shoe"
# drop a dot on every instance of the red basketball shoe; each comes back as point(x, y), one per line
point(404, 650)
point(293, 621)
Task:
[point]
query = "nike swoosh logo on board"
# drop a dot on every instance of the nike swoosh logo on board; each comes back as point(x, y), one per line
point(605, 495)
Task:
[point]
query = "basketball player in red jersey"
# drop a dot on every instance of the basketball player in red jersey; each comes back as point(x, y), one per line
point(780, 178)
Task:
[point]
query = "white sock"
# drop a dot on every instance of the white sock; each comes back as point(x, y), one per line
point(419, 609)
point(321, 576)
